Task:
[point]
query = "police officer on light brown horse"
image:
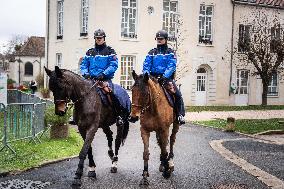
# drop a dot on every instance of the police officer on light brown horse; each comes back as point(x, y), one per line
point(161, 63)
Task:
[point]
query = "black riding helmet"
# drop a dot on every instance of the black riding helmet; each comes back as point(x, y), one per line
point(162, 33)
point(99, 33)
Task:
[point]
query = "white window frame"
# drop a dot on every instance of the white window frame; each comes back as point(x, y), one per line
point(125, 20)
point(126, 80)
point(204, 25)
point(170, 19)
point(273, 86)
point(59, 61)
point(60, 19)
point(84, 17)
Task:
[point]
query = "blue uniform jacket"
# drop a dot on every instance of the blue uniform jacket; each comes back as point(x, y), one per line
point(160, 62)
point(100, 61)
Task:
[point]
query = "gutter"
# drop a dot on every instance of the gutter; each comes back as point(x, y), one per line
point(232, 45)
point(47, 41)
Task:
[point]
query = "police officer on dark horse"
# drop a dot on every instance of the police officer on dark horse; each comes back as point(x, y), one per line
point(90, 111)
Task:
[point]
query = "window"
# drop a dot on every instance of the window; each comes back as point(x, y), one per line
point(59, 19)
point(275, 38)
point(84, 17)
point(170, 18)
point(29, 69)
point(273, 86)
point(244, 38)
point(127, 65)
point(242, 82)
point(59, 60)
point(129, 19)
point(205, 24)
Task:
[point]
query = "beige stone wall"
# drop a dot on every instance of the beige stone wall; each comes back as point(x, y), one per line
point(215, 59)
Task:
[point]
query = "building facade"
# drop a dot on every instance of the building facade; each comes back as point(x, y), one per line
point(202, 32)
point(28, 61)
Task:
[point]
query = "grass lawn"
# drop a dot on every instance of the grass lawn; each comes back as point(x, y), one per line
point(31, 155)
point(247, 126)
point(233, 108)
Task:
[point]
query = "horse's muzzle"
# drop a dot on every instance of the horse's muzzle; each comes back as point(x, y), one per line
point(133, 119)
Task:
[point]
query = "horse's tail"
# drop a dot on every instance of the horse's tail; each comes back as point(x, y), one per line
point(125, 131)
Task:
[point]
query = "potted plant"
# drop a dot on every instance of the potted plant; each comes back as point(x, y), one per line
point(59, 127)
point(10, 83)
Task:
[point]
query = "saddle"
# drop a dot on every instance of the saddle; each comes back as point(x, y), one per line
point(170, 91)
point(104, 91)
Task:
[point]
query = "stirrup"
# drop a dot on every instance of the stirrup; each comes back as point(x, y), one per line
point(181, 119)
point(119, 120)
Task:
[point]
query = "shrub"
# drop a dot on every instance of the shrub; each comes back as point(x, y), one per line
point(45, 92)
point(40, 80)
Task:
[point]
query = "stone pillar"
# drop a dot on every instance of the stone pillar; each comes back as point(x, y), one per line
point(230, 127)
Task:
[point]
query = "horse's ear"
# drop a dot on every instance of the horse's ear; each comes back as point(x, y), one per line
point(146, 77)
point(58, 72)
point(134, 75)
point(48, 72)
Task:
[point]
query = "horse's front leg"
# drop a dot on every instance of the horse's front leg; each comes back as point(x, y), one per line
point(172, 142)
point(164, 153)
point(83, 153)
point(92, 165)
point(145, 137)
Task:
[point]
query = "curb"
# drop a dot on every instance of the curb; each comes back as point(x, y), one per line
point(266, 178)
point(15, 172)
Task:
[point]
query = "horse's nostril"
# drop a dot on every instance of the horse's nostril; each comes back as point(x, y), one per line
point(133, 119)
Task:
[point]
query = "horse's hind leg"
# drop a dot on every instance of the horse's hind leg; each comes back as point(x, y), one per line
point(172, 142)
point(118, 141)
point(109, 136)
point(145, 137)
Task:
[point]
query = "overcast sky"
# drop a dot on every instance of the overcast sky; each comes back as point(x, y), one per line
point(21, 17)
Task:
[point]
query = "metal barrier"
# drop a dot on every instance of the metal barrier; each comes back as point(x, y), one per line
point(23, 118)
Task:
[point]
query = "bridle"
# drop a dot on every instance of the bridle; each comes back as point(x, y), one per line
point(150, 102)
point(68, 99)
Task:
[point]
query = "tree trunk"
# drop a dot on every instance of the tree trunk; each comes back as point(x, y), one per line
point(264, 93)
point(59, 131)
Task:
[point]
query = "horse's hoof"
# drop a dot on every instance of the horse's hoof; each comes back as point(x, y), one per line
point(113, 169)
point(161, 168)
point(92, 174)
point(144, 182)
point(167, 174)
point(77, 182)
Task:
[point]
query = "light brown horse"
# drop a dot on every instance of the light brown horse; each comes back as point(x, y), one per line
point(151, 105)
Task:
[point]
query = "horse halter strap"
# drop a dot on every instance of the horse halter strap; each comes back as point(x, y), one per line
point(144, 108)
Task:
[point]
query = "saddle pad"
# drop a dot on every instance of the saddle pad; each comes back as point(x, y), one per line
point(120, 94)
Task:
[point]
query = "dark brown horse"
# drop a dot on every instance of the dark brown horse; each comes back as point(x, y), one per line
point(90, 114)
point(151, 105)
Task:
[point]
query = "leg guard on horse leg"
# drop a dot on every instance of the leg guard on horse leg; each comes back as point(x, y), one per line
point(92, 165)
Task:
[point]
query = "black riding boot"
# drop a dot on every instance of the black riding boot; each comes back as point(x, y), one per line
point(179, 106)
point(118, 109)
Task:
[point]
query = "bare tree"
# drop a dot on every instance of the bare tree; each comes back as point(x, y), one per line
point(261, 46)
point(15, 43)
point(176, 42)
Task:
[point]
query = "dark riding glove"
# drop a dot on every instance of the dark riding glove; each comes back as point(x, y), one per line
point(101, 77)
point(87, 76)
point(163, 80)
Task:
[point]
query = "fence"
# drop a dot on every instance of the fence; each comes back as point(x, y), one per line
point(23, 118)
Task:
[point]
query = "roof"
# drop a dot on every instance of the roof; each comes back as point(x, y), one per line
point(267, 3)
point(34, 46)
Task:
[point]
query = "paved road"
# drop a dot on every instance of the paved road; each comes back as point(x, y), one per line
point(197, 165)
